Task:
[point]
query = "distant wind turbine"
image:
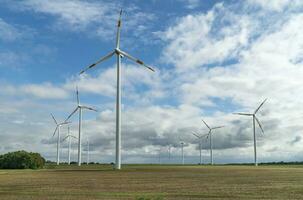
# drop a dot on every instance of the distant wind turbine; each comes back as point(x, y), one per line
point(200, 138)
point(254, 119)
point(57, 129)
point(210, 139)
point(79, 108)
point(69, 137)
point(119, 53)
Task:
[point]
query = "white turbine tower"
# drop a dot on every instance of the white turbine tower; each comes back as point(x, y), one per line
point(169, 153)
point(182, 152)
point(159, 156)
point(254, 118)
point(200, 138)
point(119, 53)
point(57, 129)
point(87, 151)
point(210, 139)
point(80, 109)
point(69, 137)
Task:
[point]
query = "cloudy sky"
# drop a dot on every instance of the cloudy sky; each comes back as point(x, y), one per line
point(212, 58)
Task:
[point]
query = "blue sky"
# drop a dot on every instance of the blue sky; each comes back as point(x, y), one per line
point(212, 58)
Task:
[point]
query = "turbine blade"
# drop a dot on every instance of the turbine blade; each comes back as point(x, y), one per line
point(206, 124)
point(136, 60)
point(196, 135)
point(89, 108)
point(77, 93)
point(55, 130)
point(259, 124)
point(65, 123)
point(64, 139)
point(260, 106)
point(247, 114)
point(118, 30)
point(99, 61)
point(54, 119)
point(217, 127)
point(73, 136)
point(71, 114)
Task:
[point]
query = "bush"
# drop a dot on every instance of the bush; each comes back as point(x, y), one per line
point(21, 160)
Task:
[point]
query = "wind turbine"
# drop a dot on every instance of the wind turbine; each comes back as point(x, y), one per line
point(210, 139)
point(200, 137)
point(69, 137)
point(119, 53)
point(57, 129)
point(254, 118)
point(80, 108)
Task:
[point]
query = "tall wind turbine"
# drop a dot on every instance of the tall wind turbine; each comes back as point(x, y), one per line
point(119, 53)
point(200, 138)
point(80, 109)
point(254, 119)
point(57, 129)
point(210, 139)
point(69, 137)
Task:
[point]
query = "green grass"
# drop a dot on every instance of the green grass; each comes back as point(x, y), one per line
point(153, 182)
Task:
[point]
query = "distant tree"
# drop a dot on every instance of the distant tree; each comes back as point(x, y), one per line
point(21, 160)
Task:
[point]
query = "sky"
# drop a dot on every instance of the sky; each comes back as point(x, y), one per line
point(212, 58)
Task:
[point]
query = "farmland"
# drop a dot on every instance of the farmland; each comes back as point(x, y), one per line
point(153, 182)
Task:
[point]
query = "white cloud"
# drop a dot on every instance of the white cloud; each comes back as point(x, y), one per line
point(11, 59)
point(95, 18)
point(39, 91)
point(202, 39)
point(74, 13)
point(44, 91)
point(191, 4)
point(276, 5)
point(103, 83)
point(8, 32)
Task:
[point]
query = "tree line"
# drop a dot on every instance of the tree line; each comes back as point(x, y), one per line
point(21, 160)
